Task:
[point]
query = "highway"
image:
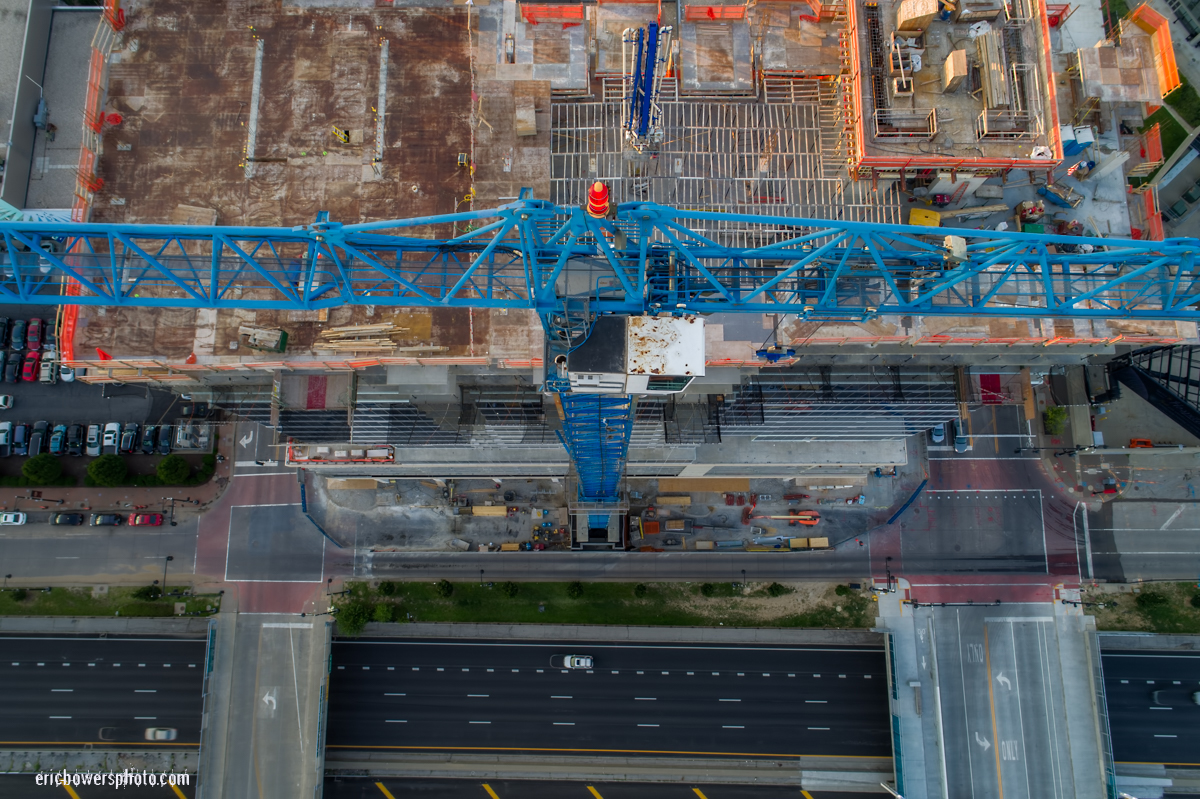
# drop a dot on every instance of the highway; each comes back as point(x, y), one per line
point(100, 692)
point(742, 701)
point(1143, 732)
point(368, 788)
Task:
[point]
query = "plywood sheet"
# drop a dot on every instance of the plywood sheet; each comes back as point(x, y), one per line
point(719, 484)
point(352, 483)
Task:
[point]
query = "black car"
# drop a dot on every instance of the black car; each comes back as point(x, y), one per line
point(20, 439)
point(63, 519)
point(129, 438)
point(106, 520)
point(12, 367)
point(37, 439)
point(3, 331)
point(164, 440)
point(149, 439)
point(17, 334)
point(75, 439)
point(195, 410)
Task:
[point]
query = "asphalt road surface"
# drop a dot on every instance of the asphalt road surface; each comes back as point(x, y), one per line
point(81, 691)
point(678, 699)
point(370, 788)
point(1142, 730)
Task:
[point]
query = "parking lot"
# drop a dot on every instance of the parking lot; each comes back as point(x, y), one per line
point(69, 403)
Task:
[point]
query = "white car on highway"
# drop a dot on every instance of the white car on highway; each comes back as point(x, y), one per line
point(12, 518)
point(575, 661)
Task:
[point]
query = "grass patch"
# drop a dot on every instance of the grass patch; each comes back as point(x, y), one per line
point(80, 602)
point(1157, 608)
point(1185, 101)
point(641, 604)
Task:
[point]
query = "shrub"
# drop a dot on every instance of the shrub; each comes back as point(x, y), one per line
point(20, 594)
point(708, 589)
point(148, 592)
point(353, 617)
point(108, 470)
point(510, 589)
point(775, 589)
point(842, 590)
point(639, 590)
point(383, 612)
point(1196, 600)
point(42, 469)
point(1151, 599)
point(1055, 420)
point(173, 470)
point(444, 588)
point(575, 589)
point(387, 588)
point(147, 480)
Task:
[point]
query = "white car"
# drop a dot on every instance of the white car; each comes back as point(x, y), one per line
point(66, 374)
point(6, 401)
point(112, 437)
point(938, 433)
point(12, 518)
point(577, 662)
point(93, 440)
point(161, 733)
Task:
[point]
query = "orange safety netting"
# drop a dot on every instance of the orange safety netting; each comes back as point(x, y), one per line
point(535, 13)
point(1159, 29)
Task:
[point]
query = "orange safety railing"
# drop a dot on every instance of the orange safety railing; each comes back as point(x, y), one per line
point(1159, 29)
point(533, 13)
point(703, 13)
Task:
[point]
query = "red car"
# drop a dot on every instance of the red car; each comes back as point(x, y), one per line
point(145, 520)
point(29, 370)
point(33, 335)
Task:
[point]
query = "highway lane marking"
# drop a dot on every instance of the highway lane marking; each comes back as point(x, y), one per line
point(1166, 736)
point(479, 722)
point(716, 674)
point(699, 793)
point(145, 690)
point(733, 727)
point(645, 699)
point(477, 696)
point(729, 700)
point(561, 697)
point(816, 701)
point(564, 724)
point(666, 672)
point(178, 792)
point(647, 725)
point(395, 694)
point(1185, 657)
point(385, 791)
point(396, 721)
point(60, 717)
point(1160, 708)
point(805, 794)
point(595, 793)
point(71, 792)
point(818, 728)
point(145, 718)
point(550, 749)
point(486, 787)
point(62, 690)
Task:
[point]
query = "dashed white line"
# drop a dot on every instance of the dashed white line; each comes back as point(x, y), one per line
point(560, 697)
point(72, 690)
point(397, 721)
point(477, 696)
point(145, 718)
point(67, 717)
point(647, 725)
point(145, 691)
point(395, 694)
point(1160, 708)
point(816, 701)
point(732, 727)
point(1166, 736)
point(818, 728)
point(729, 700)
point(479, 722)
point(564, 724)
point(645, 699)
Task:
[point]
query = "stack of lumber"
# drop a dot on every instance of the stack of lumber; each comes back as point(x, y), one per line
point(991, 70)
point(360, 338)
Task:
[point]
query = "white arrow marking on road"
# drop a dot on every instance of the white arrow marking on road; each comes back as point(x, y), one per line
point(1000, 678)
point(922, 661)
point(269, 699)
point(984, 742)
point(246, 439)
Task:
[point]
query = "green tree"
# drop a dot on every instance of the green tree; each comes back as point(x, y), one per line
point(1151, 599)
point(775, 589)
point(575, 589)
point(108, 470)
point(42, 469)
point(387, 588)
point(173, 470)
point(353, 617)
point(444, 588)
point(1196, 600)
point(383, 612)
point(708, 589)
point(639, 590)
point(148, 592)
point(842, 590)
point(510, 589)
point(1055, 420)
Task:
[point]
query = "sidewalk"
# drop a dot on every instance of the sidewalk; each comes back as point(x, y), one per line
point(122, 499)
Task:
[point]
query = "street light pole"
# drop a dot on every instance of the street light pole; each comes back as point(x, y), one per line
point(165, 564)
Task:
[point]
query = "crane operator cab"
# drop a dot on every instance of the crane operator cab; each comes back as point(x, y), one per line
point(638, 355)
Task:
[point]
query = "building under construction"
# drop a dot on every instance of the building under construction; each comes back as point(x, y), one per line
point(271, 112)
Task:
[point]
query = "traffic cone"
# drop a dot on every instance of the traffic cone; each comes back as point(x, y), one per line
point(597, 204)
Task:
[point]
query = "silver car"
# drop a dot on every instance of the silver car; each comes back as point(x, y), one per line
point(93, 440)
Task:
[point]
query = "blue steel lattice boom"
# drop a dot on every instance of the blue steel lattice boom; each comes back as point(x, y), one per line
point(564, 264)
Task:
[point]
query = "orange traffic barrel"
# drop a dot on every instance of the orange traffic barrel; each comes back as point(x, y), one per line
point(597, 204)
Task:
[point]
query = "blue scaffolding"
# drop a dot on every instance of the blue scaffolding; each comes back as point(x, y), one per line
point(595, 431)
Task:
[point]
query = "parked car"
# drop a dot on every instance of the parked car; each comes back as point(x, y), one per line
point(4, 322)
point(6, 431)
point(75, 439)
point(67, 519)
point(1177, 210)
point(195, 410)
point(66, 374)
point(33, 336)
point(938, 434)
point(105, 520)
point(112, 436)
point(129, 437)
point(37, 439)
point(12, 367)
point(145, 520)
point(93, 440)
point(12, 518)
point(17, 334)
point(961, 444)
point(164, 439)
point(149, 433)
point(48, 371)
point(20, 439)
point(29, 367)
point(6, 401)
point(58, 440)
